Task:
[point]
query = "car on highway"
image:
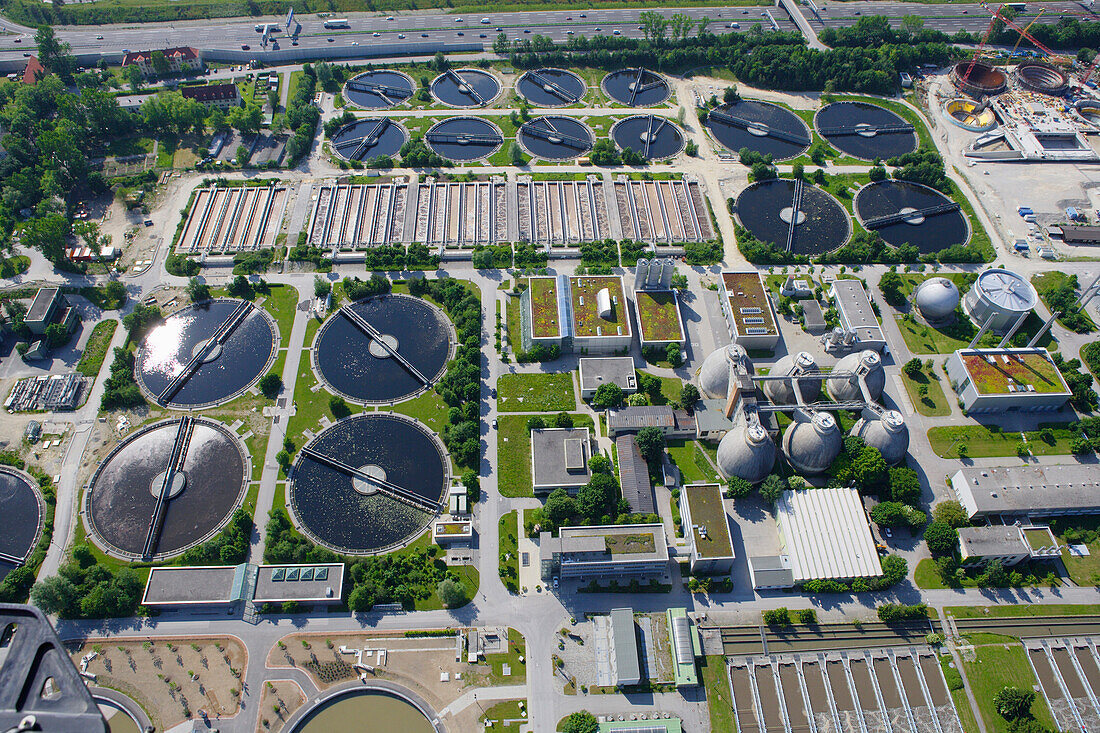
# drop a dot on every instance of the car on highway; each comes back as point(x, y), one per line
point(526, 30)
point(569, 32)
point(26, 54)
point(460, 33)
point(400, 35)
point(390, 18)
point(617, 32)
point(355, 43)
point(98, 38)
point(376, 35)
point(423, 35)
point(458, 20)
point(294, 42)
point(733, 25)
point(332, 40)
point(482, 35)
point(245, 47)
point(584, 15)
point(499, 29)
point(485, 21)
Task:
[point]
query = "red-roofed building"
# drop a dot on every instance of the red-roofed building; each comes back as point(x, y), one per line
point(34, 71)
point(179, 60)
point(222, 96)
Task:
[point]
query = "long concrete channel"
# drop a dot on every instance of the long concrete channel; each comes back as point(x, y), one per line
point(234, 219)
point(358, 216)
point(662, 212)
point(745, 640)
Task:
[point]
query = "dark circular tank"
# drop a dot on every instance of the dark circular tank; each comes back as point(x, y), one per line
point(766, 209)
point(465, 87)
point(338, 503)
point(1043, 78)
point(927, 230)
point(551, 87)
point(369, 138)
point(636, 87)
point(379, 89)
point(182, 364)
point(864, 130)
point(464, 138)
point(354, 365)
point(762, 127)
point(556, 138)
point(23, 510)
point(978, 79)
point(123, 492)
point(655, 138)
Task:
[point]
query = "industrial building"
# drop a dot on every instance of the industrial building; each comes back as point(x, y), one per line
point(559, 459)
point(710, 547)
point(748, 310)
point(1007, 544)
point(48, 307)
point(999, 299)
point(596, 371)
point(634, 476)
point(686, 646)
point(671, 422)
point(622, 553)
point(1009, 492)
point(625, 664)
point(579, 314)
point(657, 305)
point(826, 535)
point(1080, 234)
point(859, 326)
point(221, 586)
point(1002, 380)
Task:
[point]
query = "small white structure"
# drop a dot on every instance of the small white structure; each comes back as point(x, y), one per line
point(936, 298)
point(603, 304)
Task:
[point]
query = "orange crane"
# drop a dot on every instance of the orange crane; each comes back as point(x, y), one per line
point(1092, 68)
point(1023, 32)
point(981, 46)
point(1026, 29)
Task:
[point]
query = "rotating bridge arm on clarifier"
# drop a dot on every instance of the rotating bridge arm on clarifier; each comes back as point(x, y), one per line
point(383, 91)
point(368, 140)
point(464, 138)
point(220, 335)
point(464, 87)
point(391, 489)
point(364, 325)
point(651, 132)
point(880, 221)
point(796, 204)
point(743, 123)
point(175, 464)
point(553, 88)
point(860, 128)
point(554, 136)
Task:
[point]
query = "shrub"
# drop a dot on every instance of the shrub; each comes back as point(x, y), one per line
point(777, 617)
point(941, 538)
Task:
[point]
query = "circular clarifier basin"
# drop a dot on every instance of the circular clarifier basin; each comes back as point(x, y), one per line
point(865, 131)
point(921, 225)
point(767, 208)
point(762, 127)
point(551, 87)
point(369, 138)
point(347, 713)
point(23, 510)
point(654, 137)
point(556, 138)
point(636, 87)
point(465, 88)
point(379, 89)
point(464, 139)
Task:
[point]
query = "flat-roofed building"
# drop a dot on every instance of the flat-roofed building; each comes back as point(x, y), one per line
point(624, 648)
point(748, 310)
point(221, 586)
point(853, 307)
point(613, 552)
point(826, 535)
point(1006, 544)
point(559, 459)
point(634, 476)
point(596, 371)
point(542, 312)
point(659, 320)
point(1001, 380)
point(49, 306)
point(771, 572)
point(579, 314)
point(1009, 492)
point(307, 584)
point(1077, 234)
point(707, 528)
point(672, 423)
point(686, 646)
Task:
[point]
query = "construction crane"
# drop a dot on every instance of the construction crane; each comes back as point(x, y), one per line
point(1092, 68)
point(1026, 29)
point(981, 46)
point(997, 16)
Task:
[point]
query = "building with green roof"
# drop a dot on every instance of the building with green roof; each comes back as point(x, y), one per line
point(686, 646)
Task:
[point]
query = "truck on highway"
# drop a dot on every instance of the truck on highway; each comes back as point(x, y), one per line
point(337, 23)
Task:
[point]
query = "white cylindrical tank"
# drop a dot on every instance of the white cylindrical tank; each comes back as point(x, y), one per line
point(781, 391)
point(641, 272)
point(746, 452)
point(1000, 295)
point(936, 298)
point(714, 375)
point(812, 444)
point(886, 432)
point(866, 363)
point(603, 304)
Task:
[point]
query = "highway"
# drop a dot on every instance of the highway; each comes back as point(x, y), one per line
point(375, 30)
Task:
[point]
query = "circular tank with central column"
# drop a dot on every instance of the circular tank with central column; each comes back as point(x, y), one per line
point(811, 444)
point(781, 391)
point(866, 363)
point(999, 297)
point(714, 375)
point(887, 432)
point(746, 452)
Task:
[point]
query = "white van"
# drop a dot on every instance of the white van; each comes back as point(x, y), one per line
point(485, 21)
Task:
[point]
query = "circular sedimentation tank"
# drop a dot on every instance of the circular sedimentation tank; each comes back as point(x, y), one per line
point(24, 511)
point(747, 452)
point(762, 127)
point(464, 138)
point(864, 130)
point(714, 375)
point(120, 712)
point(867, 364)
point(379, 89)
point(345, 711)
point(210, 472)
point(206, 353)
point(1036, 76)
point(781, 391)
point(556, 138)
point(811, 445)
point(369, 137)
point(970, 115)
point(768, 208)
point(383, 349)
point(636, 87)
point(369, 483)
point(887, 432)
point(999, 297)
point(905, 212)
point(655, 138)
point(465, 88)
point(977, 79)
point(936, 298)
point(551, 87)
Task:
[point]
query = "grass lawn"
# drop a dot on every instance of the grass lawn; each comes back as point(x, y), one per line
point(920, 338)
point(310, 405)
point(670, 390)
point(509, 547)
point(514, 453)
point(719, 702)
point(536, 393)
point(511, 320)
point(689, 458)
point(1002, 665)
point(517, 647)
point(981, 442)
point(1055, 609)
point(495, 716)
point(958, 694)
point(933, 404)
point(429, 408)
point(926, 576)
point(95, 351)
point(1049, 281)
point(281, 304)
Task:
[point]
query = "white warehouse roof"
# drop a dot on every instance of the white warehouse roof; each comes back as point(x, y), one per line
point(826, 535)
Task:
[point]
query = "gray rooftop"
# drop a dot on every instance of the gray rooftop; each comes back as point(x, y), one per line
point(855, 309)
point(634, 476)
point(989, 541)
point(559, 457)
point(812, 317)
point(625, 639)
point(645, 416)
point(710, 416)
point(1069, 488)
point(771, 570)
point(185, 585)
point(576, 540)
point(40, 306)
point(619, 370)
point(278, 583)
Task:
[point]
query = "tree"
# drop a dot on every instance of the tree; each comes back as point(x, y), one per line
point(560, 507)
point(888, 514)
point(596, 498)
point(600, 463)
point(56, 335)
point(160, 64)
point(271, 385)
point(607, 395)
point(738, 488)
point(730, 96)
point(951, 513)
point(56, 595)
point(361, 598)
point(904, 485)
point(912, 24)
point(321, 287)
point(869, 468)
point(772, 488)
point(239, 287)
point(451, 593)
point(133, 76)
point(53, 54)
point(246, 119)
point(241, 155)
point(516, 155)
point(48, 234)
point(877, 173)
point(651, 442)
point(472, 483)
point(689, 395)
point(581, 722)
point(681, 26)
point(114, 295)
point(890, 284)
point(1012, 703)
point(674, 355)
point(912, 368)
point(536, 422)
point(798, 170)
point(941, 538)
point(654, 26)
point(563, 420)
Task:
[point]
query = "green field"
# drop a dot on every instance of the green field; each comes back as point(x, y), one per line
point(719, 702)
point(514, 453)
point(281, 304)
point(689, 457)
point(535, 393)
point(1002, 665)
point(981, 442)
point(1046, 282)
point(509, 710)
point(1030, 609)
point(509, 551)
point(933, 404)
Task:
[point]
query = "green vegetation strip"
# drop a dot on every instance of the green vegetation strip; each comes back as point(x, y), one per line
point(1015, 611)
point(933, 403)
point(994, 667)
point(514, 453)
point(95, 351)
point(536, 393)
point(981, 442)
